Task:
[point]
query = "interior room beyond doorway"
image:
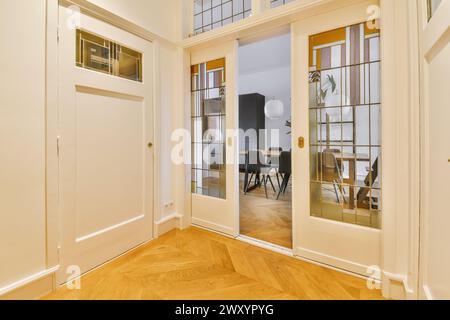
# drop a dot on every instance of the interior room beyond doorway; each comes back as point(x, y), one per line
point(265, 140)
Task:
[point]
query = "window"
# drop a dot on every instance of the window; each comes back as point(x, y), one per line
point(345, 125)
point(98, 54)
point(213, 14)
point(277, 3)
point(209, 129)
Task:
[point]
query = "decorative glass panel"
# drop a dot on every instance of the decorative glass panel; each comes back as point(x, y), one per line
point(345, 128)
point(432, 7)
point(209, 129)
point(212, 14)
point(102, 55)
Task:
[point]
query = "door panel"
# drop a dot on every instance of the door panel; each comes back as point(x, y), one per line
point(106, 124)
point(214, 140)
point(119, 156)
point(435, 218)
point(336, 110)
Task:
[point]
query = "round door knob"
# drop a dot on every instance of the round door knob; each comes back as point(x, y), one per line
point(150, 145)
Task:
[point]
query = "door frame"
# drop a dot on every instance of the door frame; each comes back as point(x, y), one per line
point(399, 238)
point(432, 36)
point(53, 214)
point(256, 37)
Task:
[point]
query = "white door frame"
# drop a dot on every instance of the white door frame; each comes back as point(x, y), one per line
point(434, 37)
point(399, 236)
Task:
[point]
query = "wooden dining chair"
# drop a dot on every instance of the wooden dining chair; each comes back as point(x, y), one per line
point(332, 172)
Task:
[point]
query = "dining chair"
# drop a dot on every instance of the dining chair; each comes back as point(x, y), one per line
point(332, 172)
point(260, 170)
point(275, 163)
point(285, 170)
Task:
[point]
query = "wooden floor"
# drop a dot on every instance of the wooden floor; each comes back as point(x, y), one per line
point(267, 219)
point(196, 264)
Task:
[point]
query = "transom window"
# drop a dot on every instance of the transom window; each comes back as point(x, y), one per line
point(213, 14)
point(277, 3)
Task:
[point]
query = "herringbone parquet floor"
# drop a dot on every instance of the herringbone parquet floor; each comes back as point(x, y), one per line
point(269, 220)
point(196, 264)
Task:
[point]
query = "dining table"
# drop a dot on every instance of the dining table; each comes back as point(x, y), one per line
point(352, 159)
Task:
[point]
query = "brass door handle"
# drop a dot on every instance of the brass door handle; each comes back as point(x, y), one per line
point(301, 142)
point(150, 145)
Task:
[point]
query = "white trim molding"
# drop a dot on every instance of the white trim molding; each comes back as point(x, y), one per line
point(264, 20)
point(213, 227)
point(396, 286)
point(167, 224)
point(95, 11)
point(427, 293)
point(333, 262)
point(401, 148)
point(26, 288)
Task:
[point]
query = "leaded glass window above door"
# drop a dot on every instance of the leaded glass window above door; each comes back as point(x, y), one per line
point(213, 14)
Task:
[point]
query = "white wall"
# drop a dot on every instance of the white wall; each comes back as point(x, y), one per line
point(22, 139)
point(23, 242)
point(166, 105)
point(157, 16)
point(161, 18)
point(264, 68)
point(274, 83)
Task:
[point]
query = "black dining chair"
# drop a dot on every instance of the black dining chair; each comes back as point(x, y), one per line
point(259, 169)
point(275, 163)
point(285, 170)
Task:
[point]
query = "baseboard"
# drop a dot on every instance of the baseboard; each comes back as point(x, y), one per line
point(31, 288)
point(427, 293)
point(396, 287)
point(266, 245)
point(213, 227)
point(333, 262)
point(168, 224)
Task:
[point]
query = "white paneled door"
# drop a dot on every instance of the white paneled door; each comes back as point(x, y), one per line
point(105, 143)
point(435, 212)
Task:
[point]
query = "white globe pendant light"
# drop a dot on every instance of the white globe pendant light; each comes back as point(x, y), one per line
point(274, 109)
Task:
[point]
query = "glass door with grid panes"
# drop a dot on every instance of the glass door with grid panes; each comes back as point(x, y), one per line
point(213, 118)
point(337, 163)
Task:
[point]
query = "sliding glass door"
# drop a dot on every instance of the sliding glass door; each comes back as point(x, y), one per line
point(213, 119)
point(337, 164)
